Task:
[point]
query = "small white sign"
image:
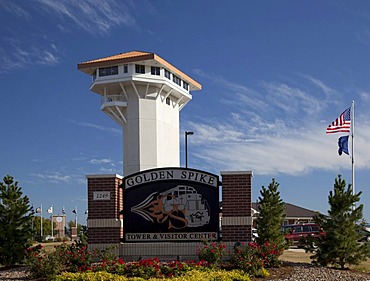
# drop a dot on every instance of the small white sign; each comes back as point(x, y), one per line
point(101, 195)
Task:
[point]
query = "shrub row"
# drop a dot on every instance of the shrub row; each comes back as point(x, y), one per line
point(75, 262)
point(195, 274)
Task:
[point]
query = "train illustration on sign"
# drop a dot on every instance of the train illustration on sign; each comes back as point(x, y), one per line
point(181, 206)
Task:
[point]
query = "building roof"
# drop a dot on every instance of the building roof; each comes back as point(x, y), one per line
point(89, 67)
point(125, 57)
point(293, 211)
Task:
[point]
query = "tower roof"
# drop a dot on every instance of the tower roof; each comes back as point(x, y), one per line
point(89, 67)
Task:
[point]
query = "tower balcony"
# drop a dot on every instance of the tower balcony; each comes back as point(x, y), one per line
point(115, 107)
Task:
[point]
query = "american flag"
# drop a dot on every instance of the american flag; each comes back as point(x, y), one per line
point(342, 124)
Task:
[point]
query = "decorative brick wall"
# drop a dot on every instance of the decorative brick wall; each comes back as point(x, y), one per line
point(105, 201)
point(236, 206)
point(105, 222)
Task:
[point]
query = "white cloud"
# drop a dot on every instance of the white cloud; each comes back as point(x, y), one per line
point(291, 100)
point(16, 10)
point(288, 137)
point(363, 35)
point(291, 154)
point(93, 16)
point(248, 97)
point(53, 177)
point(17, 56)
point(98, 127)
point(325, 88)
point(47, 58)
point(108, 171)
point(271, 97)
point(365, 97)
point(102, 161)
point(26, 43)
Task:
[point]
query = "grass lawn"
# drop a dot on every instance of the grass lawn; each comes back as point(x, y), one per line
point(294, 255)
point(50, 245)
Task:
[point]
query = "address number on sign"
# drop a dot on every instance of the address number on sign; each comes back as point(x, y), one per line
point(101, 195)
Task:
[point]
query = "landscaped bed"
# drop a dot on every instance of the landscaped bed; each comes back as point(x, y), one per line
point(75, 262)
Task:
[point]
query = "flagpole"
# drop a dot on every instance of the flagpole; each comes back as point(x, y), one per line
point(41, 222)
point(76, 216)
point(52, 223)
point(353, 149)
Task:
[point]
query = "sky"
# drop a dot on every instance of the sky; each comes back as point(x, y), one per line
point(274, 75)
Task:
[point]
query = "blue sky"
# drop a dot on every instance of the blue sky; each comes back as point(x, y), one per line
point(274, 75)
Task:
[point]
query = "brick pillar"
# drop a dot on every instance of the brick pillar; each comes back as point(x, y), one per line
point(73, 233)
point(105, 201)
point(236, 206)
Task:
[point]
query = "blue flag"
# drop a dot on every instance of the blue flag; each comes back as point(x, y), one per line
point(343, 145)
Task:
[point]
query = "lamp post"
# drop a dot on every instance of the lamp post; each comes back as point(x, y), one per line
point(186, 147)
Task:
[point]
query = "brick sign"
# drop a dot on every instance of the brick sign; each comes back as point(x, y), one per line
point(171, 204)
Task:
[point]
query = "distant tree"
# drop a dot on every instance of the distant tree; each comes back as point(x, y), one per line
point(15, 222)
point(271, 216)
point(73, 224)
point(82, 235)
point(339, 246)
point(46, 226)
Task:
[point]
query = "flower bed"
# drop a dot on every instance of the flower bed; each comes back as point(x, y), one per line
point(74, 262)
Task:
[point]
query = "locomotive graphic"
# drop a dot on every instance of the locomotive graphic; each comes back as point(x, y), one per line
point(180, 207)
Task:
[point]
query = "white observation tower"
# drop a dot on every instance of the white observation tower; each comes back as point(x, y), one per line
point(144, 94)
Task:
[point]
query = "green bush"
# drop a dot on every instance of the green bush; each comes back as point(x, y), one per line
point(209, 275)
point(75, 257)
point(212, 252)
point(47, 264)
point(42, 264)
point(107, 254)
point(247, 257)
point(64, 260)
point(270, 253)
point(148, 268)
point(253, 258)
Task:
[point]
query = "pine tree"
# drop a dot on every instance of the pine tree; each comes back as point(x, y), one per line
point(339, 246)
point(271, 216)
point(15, 222)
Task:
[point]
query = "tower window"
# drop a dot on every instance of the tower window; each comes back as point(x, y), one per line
point(107, 71)
point(168, 101)
point(167, 74)
point(140, 68)
point(125, 68)
point(185, 85)
point(176, 79)
point(155, 70)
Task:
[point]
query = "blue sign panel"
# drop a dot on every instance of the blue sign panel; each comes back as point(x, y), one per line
point(171, 204)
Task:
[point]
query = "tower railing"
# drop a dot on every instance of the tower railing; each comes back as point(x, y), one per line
point(112, 98)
